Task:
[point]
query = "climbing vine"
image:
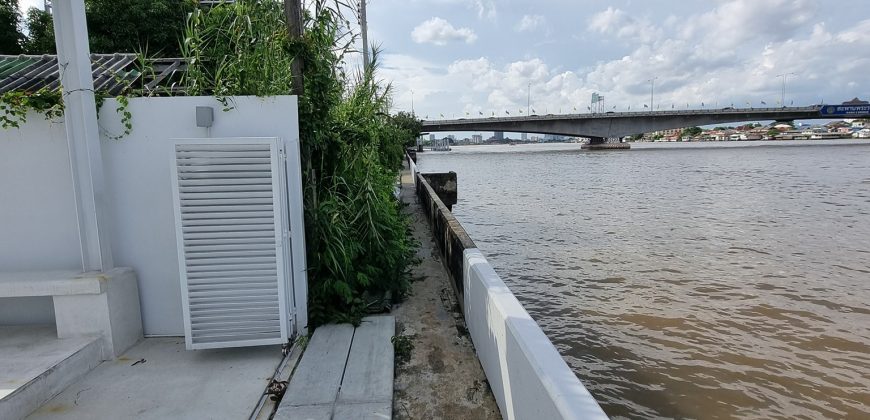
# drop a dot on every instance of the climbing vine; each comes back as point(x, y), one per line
point(15, 105)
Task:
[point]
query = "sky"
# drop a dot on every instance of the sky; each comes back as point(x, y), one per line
point(489, 56)
point(496, 56)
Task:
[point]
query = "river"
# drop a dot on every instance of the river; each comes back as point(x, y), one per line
point(695, 280)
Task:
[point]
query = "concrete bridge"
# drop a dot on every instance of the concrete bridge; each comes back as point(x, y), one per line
point(601, 126)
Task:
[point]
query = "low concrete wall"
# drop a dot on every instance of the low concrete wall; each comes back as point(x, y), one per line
point(450, 236)
point(444, 184)
point(528, 377)
point(412, 166)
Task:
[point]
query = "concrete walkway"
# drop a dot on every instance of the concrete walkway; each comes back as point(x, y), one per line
point(159, 379)
point(346, 373)
point(443, 378)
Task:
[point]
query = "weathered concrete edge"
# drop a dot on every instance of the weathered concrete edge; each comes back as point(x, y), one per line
point(528, 376)
point(450, 236)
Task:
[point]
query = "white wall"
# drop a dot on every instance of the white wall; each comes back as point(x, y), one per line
point(40, 212)
point(413, 169)
point(37, 211)
point(528, 377)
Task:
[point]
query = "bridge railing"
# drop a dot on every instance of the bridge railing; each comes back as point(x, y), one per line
point(625, 114)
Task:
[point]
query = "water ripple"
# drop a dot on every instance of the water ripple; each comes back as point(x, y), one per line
point(688, 283)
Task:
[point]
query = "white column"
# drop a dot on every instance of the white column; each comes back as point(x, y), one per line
point(83, 137)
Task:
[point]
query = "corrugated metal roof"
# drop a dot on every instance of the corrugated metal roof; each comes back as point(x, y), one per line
point(112, 73)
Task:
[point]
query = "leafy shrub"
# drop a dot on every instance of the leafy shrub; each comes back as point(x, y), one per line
point(357, 239)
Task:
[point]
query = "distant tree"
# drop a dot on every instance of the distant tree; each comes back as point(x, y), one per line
point(40, 28)
point(154, 27)
point(11, 37)
point(410, 124)
point(692, 132)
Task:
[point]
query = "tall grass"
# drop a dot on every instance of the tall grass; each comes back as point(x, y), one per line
point(358, 243)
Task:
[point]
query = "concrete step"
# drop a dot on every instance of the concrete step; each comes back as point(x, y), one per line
point(35, 366)
point(345, 373)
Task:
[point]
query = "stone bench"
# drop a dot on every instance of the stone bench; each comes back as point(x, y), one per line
point(104, 304)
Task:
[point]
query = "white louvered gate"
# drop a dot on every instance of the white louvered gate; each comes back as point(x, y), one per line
point(233, 250)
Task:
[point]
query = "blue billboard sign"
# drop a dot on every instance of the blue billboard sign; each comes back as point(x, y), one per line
point(845, 110)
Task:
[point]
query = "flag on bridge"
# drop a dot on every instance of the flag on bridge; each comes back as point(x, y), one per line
point(466, 113)
point(480, 112)
point(575, 109)
point(763, 103)
point(442, 115)
point(672, 106)
point(702, 104)
point(533, 111)
point(792, 102)
point(645, 106)
point(507, 112)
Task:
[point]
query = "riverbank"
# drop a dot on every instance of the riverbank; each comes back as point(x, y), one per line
point(442, 378)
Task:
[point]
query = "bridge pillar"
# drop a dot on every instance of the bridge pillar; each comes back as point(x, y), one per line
point(602, 143)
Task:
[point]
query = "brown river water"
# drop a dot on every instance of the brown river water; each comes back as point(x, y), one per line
point(703, 280)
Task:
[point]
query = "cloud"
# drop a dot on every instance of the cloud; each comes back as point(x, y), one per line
point(622, 25)
point(485, 9)
point(439, 32)
point(529, 23)
point(698, 56)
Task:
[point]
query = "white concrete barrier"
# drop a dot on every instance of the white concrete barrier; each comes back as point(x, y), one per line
point(413, 169)
point(528, 376)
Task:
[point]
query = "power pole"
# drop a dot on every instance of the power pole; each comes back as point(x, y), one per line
point(364, 27)
point(652, 86)
point(293, 14)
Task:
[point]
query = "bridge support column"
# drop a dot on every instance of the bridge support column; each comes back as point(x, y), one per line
point(602, 143)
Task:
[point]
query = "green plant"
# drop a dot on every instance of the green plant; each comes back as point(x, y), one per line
point(403, 345)
point(357, 238)
point(16, 104)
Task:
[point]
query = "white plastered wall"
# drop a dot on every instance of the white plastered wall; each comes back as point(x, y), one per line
point(38, 212)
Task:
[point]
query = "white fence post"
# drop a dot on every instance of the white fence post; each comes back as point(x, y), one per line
point(83, 137)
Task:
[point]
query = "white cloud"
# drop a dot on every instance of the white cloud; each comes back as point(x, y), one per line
point(622, 25)
point(439, 32)
point(722, 53)
point(485, 9)
point(529, 23)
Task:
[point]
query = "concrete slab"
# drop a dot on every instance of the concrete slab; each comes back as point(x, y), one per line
point(345, 373)
point(305, 412)
point(50, 283)
point(159, 379)
point(318, 376)
point(35, 366)
point(364, 411)
point(368, 376)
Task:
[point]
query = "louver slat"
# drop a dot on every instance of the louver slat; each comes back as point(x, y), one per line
point(230, 242)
